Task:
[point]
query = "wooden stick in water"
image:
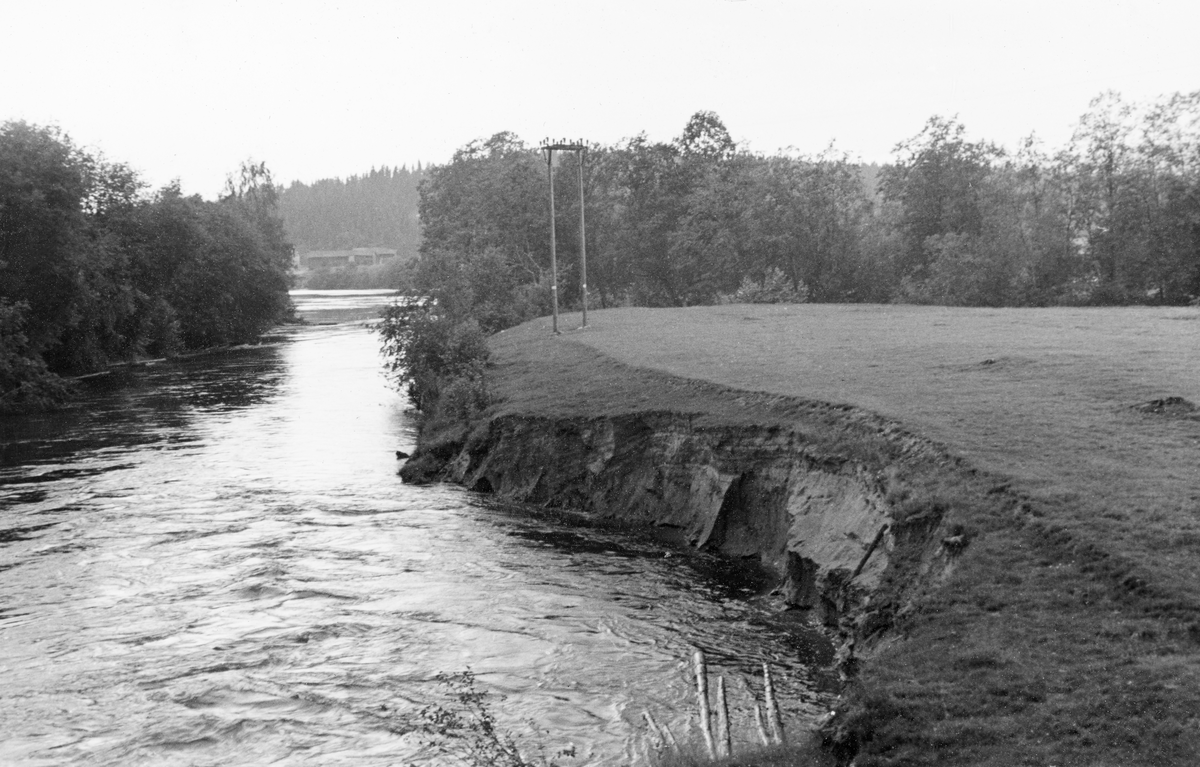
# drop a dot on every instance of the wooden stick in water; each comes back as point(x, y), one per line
point(654, 728)
point(758, 722)
point(772, 707)
point(662, 732)
point(670, 738)
point(724, 739)
point(702, 701)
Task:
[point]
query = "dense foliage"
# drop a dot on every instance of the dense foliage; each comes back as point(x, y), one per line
point(427, 351)
point(93, 270)
point(1112, 218)
point(377, 209)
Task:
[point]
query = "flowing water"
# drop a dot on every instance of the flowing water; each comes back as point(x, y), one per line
point(211, 561)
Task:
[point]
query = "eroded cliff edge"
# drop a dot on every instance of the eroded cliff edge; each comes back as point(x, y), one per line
point(821, 495)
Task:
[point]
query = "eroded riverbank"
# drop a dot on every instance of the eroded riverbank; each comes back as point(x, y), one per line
point(992, 631)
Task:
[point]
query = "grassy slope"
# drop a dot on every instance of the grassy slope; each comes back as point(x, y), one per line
point(1069, 634)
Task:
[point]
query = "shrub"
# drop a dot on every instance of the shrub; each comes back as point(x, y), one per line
point(486, 285)
point(437, 345)
point(25, 382)
point(426, 352)
point(464, 396)
point(774, 288)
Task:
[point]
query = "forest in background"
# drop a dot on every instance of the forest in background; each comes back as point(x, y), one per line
point(375, 210)
point(1112, 218)
point(95, 270)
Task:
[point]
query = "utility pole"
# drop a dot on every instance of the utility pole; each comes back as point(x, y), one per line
point(582, 235)
point(579, 147)
point(549, 150)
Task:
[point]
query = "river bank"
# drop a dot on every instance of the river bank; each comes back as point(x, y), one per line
point(999, 519)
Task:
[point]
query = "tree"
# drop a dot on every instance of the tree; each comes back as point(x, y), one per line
point(42, 227)
point(937, 183)
point(1100, 165)
point(810, 217)
point(492, 194)
point(25, 382)
point(709, 246)
point(610, 265)
point(1034, 218)
point(1169, 158)
point(375, 209)
point(91, 270)
point(211, 273)
point(656, 190)
point(706, 137)
point(103, 326)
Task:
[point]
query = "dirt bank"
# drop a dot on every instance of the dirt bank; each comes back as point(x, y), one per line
point(817, 514)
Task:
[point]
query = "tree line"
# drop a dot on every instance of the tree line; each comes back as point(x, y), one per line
point(1112, 218)
point(376, 209)
point(94, 269)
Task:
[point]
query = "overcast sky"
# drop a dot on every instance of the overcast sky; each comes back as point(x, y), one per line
point(325, 89)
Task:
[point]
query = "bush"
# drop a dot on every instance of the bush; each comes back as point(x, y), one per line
point(774, 288)
point(25, 382)
point(465, 396)
point(426, 352)
point(486, 285)
point(437, 346)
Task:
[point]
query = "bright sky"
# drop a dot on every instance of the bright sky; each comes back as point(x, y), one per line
point(321, 89)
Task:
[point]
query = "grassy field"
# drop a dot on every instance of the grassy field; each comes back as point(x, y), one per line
point(1070, 631)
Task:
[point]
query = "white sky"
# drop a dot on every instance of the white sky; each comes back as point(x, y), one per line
point(320, 89)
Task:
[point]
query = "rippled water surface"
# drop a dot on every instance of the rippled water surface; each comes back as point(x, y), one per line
point(212, 562)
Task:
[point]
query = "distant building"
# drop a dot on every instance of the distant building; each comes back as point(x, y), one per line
point(334, 259)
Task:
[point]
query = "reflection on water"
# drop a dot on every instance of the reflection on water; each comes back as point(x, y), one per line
point(135, 407)
point(212, 561)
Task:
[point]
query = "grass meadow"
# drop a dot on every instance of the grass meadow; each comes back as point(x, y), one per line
point(1069, 632)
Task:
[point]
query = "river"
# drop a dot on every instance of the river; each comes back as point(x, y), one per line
point(212, 561)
